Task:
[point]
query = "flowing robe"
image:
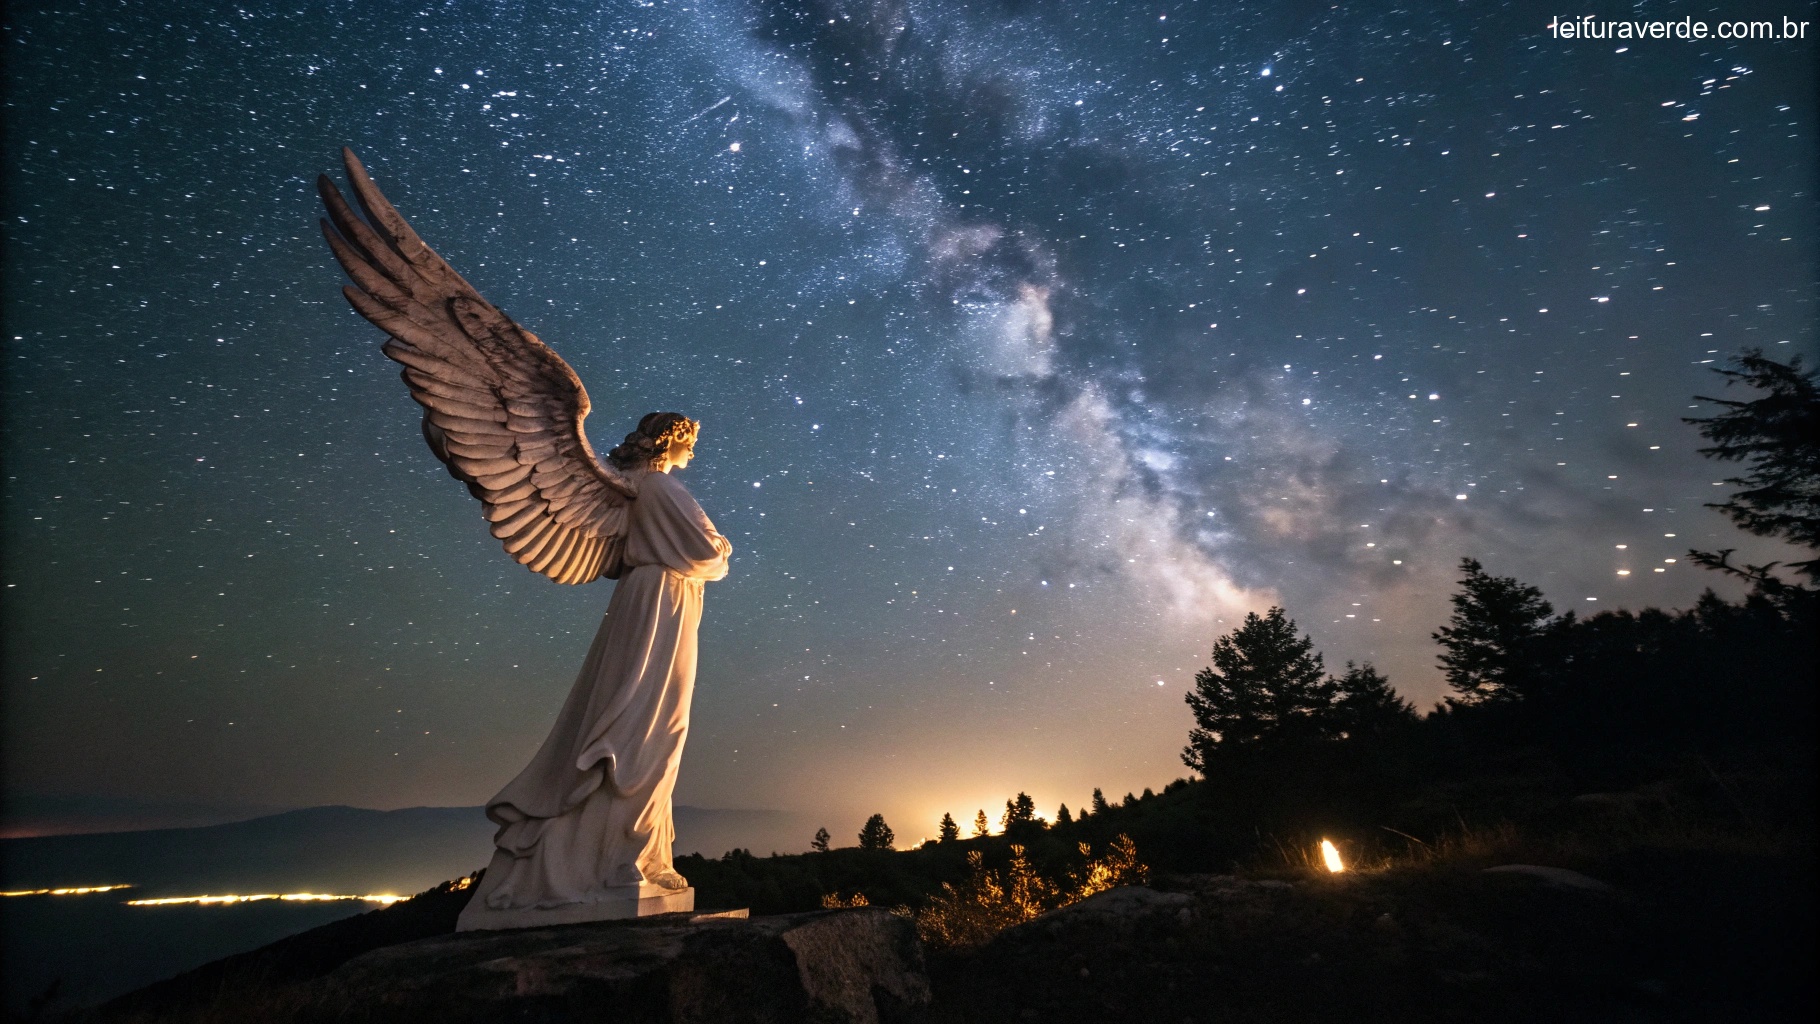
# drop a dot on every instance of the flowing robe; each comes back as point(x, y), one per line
point(589, 818)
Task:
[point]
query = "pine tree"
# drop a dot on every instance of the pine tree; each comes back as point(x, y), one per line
point(948, 831)
point(820, 843)
point(1367, 706)
point(1266, 684)
point(1062, 817)
point(1099, 801)
point(875, 834)
point(980, 827)
point(1019, 811)
point(1492, 644)
point(1778, 436)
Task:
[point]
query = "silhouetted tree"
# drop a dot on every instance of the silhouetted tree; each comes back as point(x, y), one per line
point(1062, 817)
point(980, 828)
point(875, 834)
point(1099, 802)
point(1367, 706)
point(1778, 436)
point(948, 831)
point(820, 843)
point(1019, 811)
point(1492, 645)
point(1629, 688)
point(1266, 683)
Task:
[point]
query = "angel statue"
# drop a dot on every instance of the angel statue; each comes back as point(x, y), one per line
point(585, 830)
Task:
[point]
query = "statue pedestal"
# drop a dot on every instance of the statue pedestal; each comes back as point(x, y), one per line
point(642, 900)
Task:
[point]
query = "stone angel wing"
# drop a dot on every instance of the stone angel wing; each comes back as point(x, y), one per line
point(501, 409)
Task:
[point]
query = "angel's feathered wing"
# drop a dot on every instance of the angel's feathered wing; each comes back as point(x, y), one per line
point(501, 409)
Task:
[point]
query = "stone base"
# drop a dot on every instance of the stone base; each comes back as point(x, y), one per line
point(862, 966)
point(643, 900)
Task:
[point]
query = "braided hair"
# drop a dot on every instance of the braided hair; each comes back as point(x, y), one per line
point(654, 438)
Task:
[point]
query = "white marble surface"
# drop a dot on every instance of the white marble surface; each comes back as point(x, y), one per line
point(591, 814)
point(643, 900)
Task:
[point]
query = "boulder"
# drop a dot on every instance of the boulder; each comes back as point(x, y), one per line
point(860, 966)
point(1629, 802)
point(1559, 878)
point(1124, 901)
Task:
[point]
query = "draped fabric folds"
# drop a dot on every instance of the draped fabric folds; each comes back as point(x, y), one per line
point(590, 817)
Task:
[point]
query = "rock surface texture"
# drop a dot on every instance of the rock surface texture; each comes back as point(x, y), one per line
point(1457, 945)
point(1446, 943)
point(862, 966)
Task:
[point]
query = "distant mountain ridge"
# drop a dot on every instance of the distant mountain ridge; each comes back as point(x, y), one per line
point(25, 815)
point(335, 849)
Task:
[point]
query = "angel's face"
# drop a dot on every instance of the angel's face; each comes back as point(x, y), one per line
point(679, 455)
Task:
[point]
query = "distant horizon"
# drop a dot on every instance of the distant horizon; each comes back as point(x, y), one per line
point(179, 814)
point(144, 816)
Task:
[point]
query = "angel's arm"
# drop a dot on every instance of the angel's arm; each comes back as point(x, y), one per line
point(676, 532)
point(501, 409)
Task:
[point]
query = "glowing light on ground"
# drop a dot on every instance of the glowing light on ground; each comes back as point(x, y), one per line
point(1330, 855)
point(386, 898)
point(82, 890)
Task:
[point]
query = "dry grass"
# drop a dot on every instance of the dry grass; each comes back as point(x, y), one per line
point(1592, 841)
point(988, 902)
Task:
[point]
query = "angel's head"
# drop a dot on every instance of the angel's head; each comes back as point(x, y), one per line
point(662, 442)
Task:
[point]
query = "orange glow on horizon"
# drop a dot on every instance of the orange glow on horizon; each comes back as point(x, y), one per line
point(385, 898)
point(81, 890)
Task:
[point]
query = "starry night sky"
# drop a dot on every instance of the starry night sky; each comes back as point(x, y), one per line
point(1033, 343)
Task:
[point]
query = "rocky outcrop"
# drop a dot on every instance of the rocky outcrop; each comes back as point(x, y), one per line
point(1455, 944)
point(1560, 878)
point(862, 966)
